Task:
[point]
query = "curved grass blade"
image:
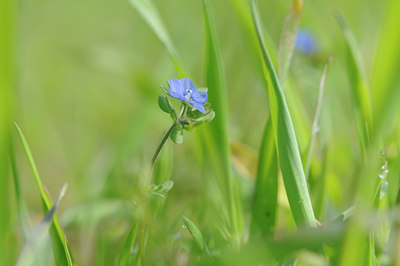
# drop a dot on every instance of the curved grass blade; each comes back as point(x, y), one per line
point(285, 139)
point(299, 111)
point(288, 38)
point(386, 95)
point(194, 232)
point(21, 207)
point(150, 14)
point(315, 126)
point(60, 247)
point(265, 197)
point(129, 253)
point(359, 84)
point(218, 130)
point(266, 187)
point(30, 252)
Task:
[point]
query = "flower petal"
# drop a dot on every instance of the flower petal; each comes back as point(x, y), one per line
point(176, 89)
point(198, 106)
point(200, 97)
point(187, 84)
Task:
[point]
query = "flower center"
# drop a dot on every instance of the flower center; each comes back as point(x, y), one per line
point(188, 94)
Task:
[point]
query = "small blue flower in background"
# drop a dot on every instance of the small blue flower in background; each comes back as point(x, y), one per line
point(184, 89)
point(305, 42)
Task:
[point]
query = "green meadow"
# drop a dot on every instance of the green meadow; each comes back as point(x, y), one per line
point(231, 132)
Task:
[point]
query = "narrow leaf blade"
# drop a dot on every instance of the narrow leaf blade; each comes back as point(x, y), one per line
point(194, 232)
point(288, 38)
point(29, 254)
point(266, 187)
point(218, 143)
point(61, 250)
point(150, 14)
point(285, 138)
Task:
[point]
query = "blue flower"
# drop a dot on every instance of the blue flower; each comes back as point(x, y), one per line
point(184, 89)
point(305, 42)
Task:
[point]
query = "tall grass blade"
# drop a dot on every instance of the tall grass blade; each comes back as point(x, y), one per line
point(7, 78)
point(129, 253)
point(265, 197)
point(218, 129)
point(385, 79)
point(321, 187)
point(298, 109)
point(288, 38)
point(285, 139)
point(61, 250)
point(150, 14)
point(30, 254)
point(385, 96)
point(359, 84)
point(21, 208)
point(266, 188)
point(315, 125)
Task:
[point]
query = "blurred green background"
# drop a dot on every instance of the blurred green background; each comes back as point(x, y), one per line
point(88, 77)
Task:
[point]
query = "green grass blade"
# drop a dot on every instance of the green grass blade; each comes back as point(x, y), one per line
point(285, 138)
point(21, 207)
point(385, 80)
point(359, 84)
point(315, 125)
point(218, 129)
point(266, 187)
point(194, 232)
point(299, 110)
point(7, 78)
point(321, 187)
point(288, 38)
point(385, 96)
point(60, 246)
point(385, 73)
point(150, 14)
point(30, 254)
point(129, 253)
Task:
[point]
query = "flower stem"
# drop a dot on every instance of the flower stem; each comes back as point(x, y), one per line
point(160, 146)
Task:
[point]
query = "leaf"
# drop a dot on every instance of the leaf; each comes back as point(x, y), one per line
point(164, 104)
point(285, 139)
point(129, 252)
point(288, 38)
point(61, 250)
point(194, 232)
point(359, 84)
point(218, 142)
point(8, 82)
point(177, 134)
point(163, 189)
point(23, 215)
point(204, 119)
point(321, 187)
point(30, 254)
point(166, 90)
point(315, 125)
point(150, 14)
point(266, 187)
point(385, 79)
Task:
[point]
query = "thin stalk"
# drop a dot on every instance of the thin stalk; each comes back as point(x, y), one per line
point(160, 146)
point(315, 127)
point(164, 139)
